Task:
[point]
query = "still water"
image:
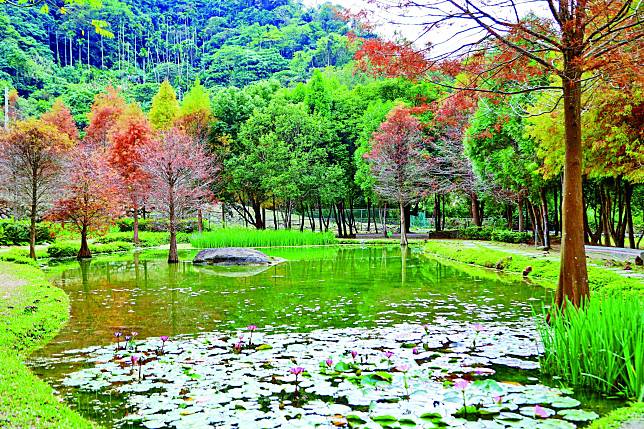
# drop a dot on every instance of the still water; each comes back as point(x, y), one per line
point(320, 304)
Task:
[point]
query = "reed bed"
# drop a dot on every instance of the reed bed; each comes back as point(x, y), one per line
point(600, 345)
point(241, 237)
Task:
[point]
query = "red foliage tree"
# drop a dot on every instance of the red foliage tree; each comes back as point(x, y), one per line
point(180, 174)
point(105, 112)
point(60, 117)
point(400, 163)
point(132, 132)
point(90, 196)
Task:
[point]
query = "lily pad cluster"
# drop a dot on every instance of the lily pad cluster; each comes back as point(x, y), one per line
point(442, 375)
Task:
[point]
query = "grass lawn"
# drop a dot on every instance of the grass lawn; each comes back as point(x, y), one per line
point(32, 311)
point(513, 259)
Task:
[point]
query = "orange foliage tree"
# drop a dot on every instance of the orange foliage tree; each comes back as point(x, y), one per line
point(130, 134)
point(90, 195)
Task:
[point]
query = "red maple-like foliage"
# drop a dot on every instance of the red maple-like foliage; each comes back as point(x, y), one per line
point(383, 58)
point(131, 133)
point(60, 117)
point(90, 196)
point(105, 112)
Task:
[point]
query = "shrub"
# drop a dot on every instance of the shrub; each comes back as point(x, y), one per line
point(146, 238)
point(490, 234)
point(507, 236)
point(18, 256)
point(69, 249)
point(240, 237)
point(17, 232)
point(156, 225)
point(600, 345)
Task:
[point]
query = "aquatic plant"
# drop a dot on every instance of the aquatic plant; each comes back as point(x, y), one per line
point(251, 328)
point(404, 368)
point(354, 353)
point(296, 371)
point(329, 363)
point(415, 351)
point(237, 347)
point(163, 339)
point(118, 336)
point(599, 345)
point(462, 384)
point(388, 354)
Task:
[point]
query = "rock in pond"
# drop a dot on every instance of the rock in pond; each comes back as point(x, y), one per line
point(232, 256)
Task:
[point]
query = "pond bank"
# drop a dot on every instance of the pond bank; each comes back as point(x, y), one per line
point(32, 312)
point(513, 260)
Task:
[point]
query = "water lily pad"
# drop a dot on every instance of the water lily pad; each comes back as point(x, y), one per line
point(578, 415)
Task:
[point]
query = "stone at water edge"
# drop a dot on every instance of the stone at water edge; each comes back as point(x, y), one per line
point(232, 256)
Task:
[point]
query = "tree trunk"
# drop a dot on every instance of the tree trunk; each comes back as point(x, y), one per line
point(32, 217)
point(84, 252)
point(384, 221)
point(544, 213)
point(628, 189)
point(403, 226)
point(257, 211)
point(368, 215)
point(520, 207)
point(437, 213)
point(199, 221)
point(573, 276)
point(173, 256)
point(476, 220)
point(135, 225)
point(408, 219)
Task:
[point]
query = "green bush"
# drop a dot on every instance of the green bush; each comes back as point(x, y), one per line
point(240, 237)
point(507, 236)
point(156, 225)
point(17, 232)
point(490, 234)
point(600, 345)
point(18, 256)
point(69, 249)
point(146, 238)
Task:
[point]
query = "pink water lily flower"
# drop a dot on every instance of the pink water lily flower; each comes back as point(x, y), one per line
point(164, 338)
point(329, 362)
point(497, 399)
point(539, 411)
point(478, 327)
point(354, 354)
point(415, 351)
point(134, 359)
point(461, 384)
point(134, 334)
point(252, 328)
point(296, 370)
point(403, 367)
point(389, 354)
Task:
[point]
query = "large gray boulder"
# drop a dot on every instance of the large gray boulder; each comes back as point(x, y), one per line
point(232, 256)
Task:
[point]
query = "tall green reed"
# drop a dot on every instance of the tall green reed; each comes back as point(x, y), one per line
point(241, 237)
point(600, 345)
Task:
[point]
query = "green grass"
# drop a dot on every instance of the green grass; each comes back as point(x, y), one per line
point(600, 345)
point(32, 313)
point(69, 249)
point(545, 271)
point(615, 419)
point(240, 237)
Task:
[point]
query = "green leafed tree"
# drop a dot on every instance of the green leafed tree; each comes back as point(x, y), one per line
point(165, 107)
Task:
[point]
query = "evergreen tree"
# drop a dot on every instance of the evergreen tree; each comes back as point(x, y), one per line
point(165, 107)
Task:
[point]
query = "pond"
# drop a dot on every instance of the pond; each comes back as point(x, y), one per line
point(334, 337)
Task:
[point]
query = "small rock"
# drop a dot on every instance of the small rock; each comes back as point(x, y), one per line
point(639, 261)
point(527, 271)
point(627, 266)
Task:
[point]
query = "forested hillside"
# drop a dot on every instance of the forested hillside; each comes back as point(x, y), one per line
point(136, 44)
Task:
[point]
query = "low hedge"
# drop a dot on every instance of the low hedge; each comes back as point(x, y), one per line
point(490, 234)
point(69, 249)
point(17, 232)
point(18, 256)
point(156, 225)
point(146, 238)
